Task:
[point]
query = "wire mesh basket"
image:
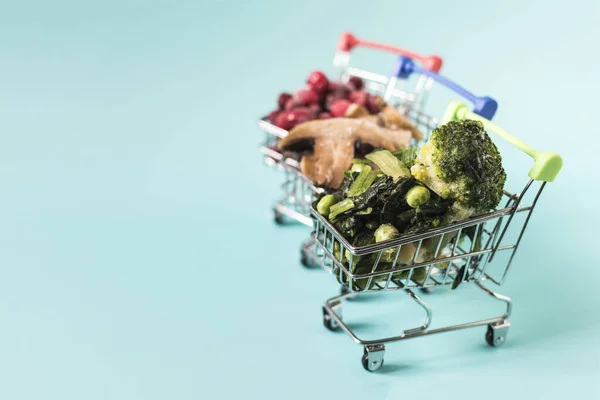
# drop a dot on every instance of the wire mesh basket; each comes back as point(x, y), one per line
point(452, 254)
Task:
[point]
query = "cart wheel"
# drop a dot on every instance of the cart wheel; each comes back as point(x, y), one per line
point(329, 322)
point(372, 358)
point(305, 259)
point(496, 333)
point(426, 290)
point(344, 290)
point(278, 218)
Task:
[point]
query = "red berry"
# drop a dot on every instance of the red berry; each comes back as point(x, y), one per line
point(359, 97)
point(307, 97)
point(289, 119)
point(339, 107)
point(304, 112)
point(283, 98)
point(298, 116)
point(329, 100)
point(341, 92)
point(332, 98)
point(372, 105)
point(282, 121)
point(315, 109)
point(350, 87)
point(356, 82)
point(318, 81)
point(332, 87)
point(325, 115)
point(292, 103)
point(273, 116)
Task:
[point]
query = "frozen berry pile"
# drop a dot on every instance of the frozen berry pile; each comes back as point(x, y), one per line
point(321, 99)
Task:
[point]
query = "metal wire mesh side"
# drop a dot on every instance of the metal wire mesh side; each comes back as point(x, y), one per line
point(461, 252)
point(298, 194)
point(397, 91)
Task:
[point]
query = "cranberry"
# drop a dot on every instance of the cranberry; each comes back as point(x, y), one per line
point(283, 98)
point(356, 82)
point(289, 119)
point(304, 112)
point(359, 97)
point(273, 116)
point(341, 92)
point(315, 109)
point(318, 81)
point(339, 107)
point(372, 105)
point(325, 115)
point(282, 121)
point(307, 97)
point(350, 88)
point(322, 97)
point(331, 98)
point(298, 116)
point(292, 103)
point(300, 112)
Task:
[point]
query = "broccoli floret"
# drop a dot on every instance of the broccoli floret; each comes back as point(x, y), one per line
point(460, 162)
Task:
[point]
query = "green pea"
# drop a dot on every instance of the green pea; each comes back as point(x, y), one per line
point(417, 195)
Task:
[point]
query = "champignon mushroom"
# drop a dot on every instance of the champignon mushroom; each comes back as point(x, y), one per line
point(389, 117)
point(307, 165)
point(333, 146)
point(356, 111)
point(390, 125)
point(392, 119)
point(400, 137)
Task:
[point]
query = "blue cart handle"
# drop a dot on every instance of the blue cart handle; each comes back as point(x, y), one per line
point(483, 106)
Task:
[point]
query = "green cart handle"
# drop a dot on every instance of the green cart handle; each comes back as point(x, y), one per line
point(547, 164)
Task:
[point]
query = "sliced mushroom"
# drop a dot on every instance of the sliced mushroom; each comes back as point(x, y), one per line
point(400, 137)
point(380, 102)
point(389, 117)
point(356, 111)
point(334, 141)
point(375, 118)
point(392, 119)
point(307, 165)
point(332, 157)
point(398, 128)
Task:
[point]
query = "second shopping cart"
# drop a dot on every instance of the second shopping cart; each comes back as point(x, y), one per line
point(410, 97)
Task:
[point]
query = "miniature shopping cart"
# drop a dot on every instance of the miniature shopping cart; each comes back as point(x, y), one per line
point(298, 191)
point(458, 257)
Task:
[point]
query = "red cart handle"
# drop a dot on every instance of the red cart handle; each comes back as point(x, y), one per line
point(348, 41)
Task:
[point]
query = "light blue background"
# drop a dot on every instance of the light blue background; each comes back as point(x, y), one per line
point(138, 257)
